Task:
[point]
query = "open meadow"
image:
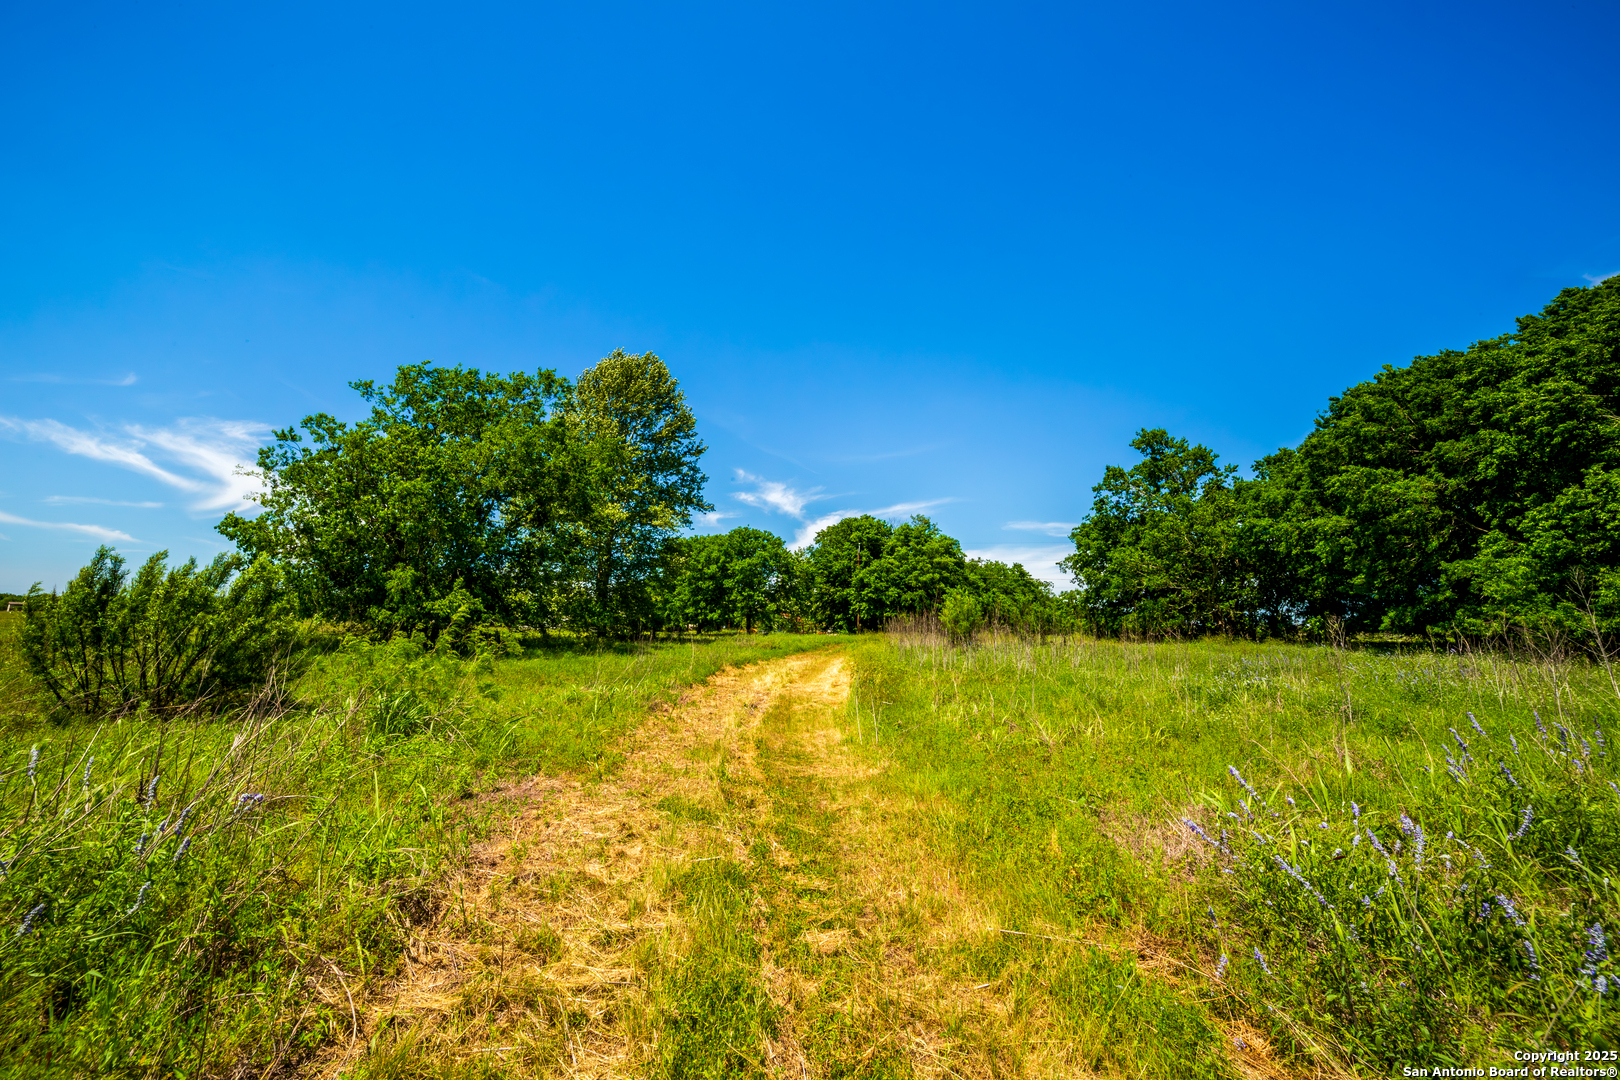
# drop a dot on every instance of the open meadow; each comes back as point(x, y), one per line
point(196, 895)
point(890, 856)
point(1327, 860)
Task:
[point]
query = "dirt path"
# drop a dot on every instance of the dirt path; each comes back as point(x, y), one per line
point(738, 899)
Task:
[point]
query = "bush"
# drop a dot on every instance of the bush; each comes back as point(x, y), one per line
point(961, 615)
point(169, 638)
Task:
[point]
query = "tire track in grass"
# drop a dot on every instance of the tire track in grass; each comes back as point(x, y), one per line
point(743, 897)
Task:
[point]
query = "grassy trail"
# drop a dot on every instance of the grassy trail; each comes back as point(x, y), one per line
point(750, 894)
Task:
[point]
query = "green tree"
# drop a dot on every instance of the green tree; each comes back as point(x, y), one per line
point(1158, 552)
point(169, 638)
point(1010, 595)
point(1469, 487)
point(746, 577)
point(440, 507)
point(919, 566)
point(842, 573)
point(961, 614)
point(632, 462)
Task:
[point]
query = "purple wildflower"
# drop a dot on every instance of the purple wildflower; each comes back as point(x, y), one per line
point(1394, 873)
point(1507, 773)
point(1515, 743)
point(1220, 966)
point(33, 763)
point(1512, 912)
point(1239, 778)
point(1466, 755)
point(1539, 725)
point(29, 920)
point(1478, 854)
point(1475, 723)
point(140, 898)
point(1297, 876)
point(1524, 823)
point(1196, 828)
point(1535, 961)
point(1415, 831)
point(1596, 953)
point(1261, 959)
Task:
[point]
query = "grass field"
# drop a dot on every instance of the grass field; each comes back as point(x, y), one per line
point(1345, 861)
point(172, 889)
point(901, 858)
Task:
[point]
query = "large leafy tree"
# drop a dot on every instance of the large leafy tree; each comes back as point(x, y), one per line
point(632, 455)
point(746, 577)
point(1469, 487)
point(442, 505)
point(1468, 490)
point(1008, 595)
point(919, 566)
point(849, 594)
point(1157, 552)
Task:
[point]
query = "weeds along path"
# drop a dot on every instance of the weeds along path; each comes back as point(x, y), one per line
point(738, 899)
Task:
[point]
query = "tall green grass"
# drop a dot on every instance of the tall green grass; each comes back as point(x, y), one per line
point(1333, 841)
point(199, 895)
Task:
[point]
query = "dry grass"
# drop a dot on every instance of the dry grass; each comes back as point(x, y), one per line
point(543, 958)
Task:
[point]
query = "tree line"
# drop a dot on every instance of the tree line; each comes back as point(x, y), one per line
point(1473, 491)
point(1469, 492)
point(467, 500)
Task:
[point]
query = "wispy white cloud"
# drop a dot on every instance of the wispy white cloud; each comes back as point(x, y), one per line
point(1598, 279)
point(97, 531)
point(713, 518)
point(214, 456)
point(775, 497)
point(47, 377)
point(222, 450)
point(1041, 560)
point(62, 500)
point(807, 534)
point(1050, 528)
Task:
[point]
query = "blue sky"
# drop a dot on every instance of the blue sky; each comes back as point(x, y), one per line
point(901, 257)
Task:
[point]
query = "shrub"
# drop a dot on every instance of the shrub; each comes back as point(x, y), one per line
point(961, 615)
point(168, 638)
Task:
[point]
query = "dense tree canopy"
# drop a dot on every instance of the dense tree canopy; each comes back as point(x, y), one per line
point(466, 497)
point(745, 578)
point(443, 501)
point(1467, 491)
point(843, 576)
